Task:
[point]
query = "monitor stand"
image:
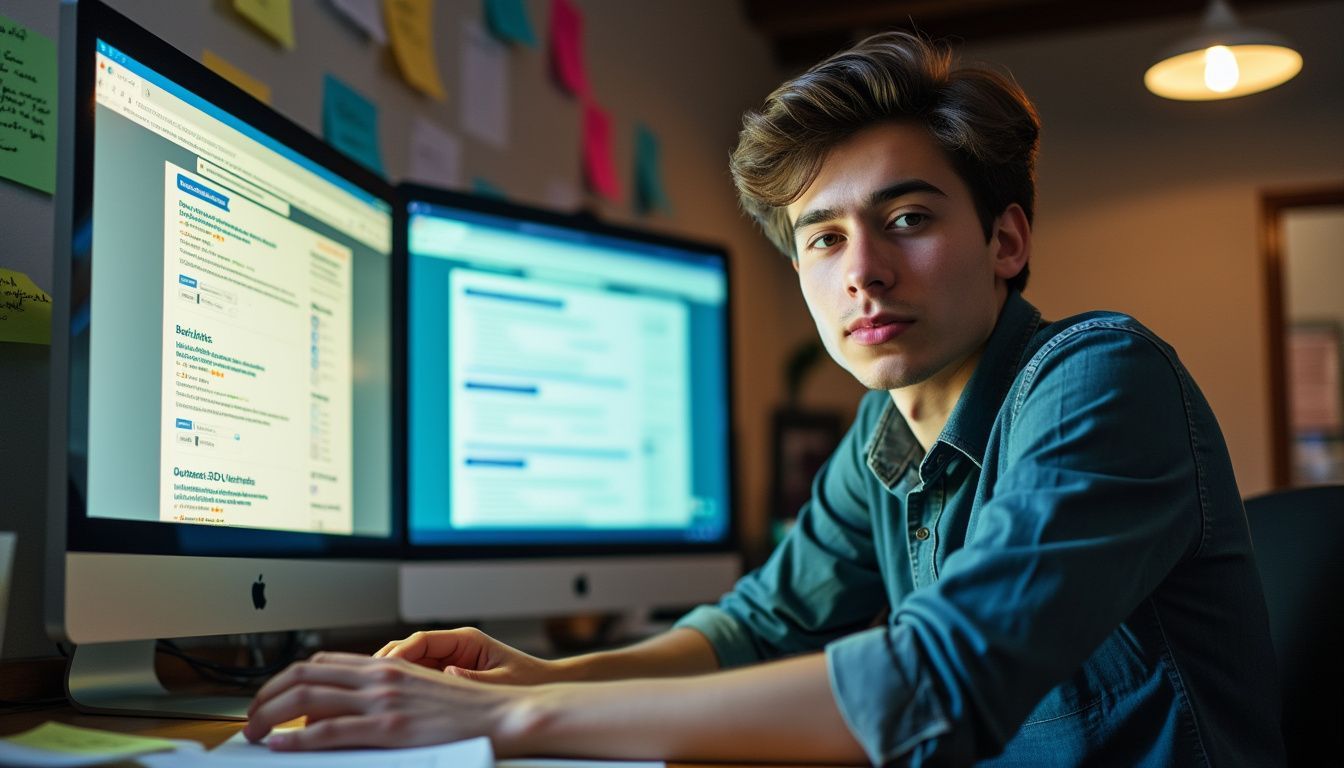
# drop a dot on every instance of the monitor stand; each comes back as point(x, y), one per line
point(119, 679)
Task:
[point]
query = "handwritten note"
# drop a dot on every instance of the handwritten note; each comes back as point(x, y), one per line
point(649, 192)
point(509, 22)
point(567, 47)
point(410, 24)
point(484, 100)
point(597, 164)
point(25, 309)
point(350, 123)
point(27, 106)
point(436, 155)
point(225, 68)
point(58, 744)
point(274, 17)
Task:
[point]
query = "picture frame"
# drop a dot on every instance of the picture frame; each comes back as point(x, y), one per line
point(802, 441)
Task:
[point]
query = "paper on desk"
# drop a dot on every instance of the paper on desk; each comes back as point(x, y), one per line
point(472, 753)
point(57, 745)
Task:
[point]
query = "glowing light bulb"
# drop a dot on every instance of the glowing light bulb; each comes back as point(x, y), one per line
point(1220, 69)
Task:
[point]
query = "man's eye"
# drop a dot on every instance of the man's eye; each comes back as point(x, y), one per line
point(824, 241)
point(908, 220)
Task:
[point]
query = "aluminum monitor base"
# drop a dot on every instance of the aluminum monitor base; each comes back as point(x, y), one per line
point(119, 679)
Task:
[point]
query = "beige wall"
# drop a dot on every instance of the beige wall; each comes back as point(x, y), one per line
point(1152, 207)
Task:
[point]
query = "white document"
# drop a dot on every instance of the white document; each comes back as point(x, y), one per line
point(436, 156)
point(471, 753)
point(484, 98)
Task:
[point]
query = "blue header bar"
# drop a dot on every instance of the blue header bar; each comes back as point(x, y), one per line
point(237, 124)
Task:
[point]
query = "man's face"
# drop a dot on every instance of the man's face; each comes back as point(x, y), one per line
point(892, 259)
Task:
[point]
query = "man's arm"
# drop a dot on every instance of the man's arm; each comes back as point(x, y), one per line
point(777, 712)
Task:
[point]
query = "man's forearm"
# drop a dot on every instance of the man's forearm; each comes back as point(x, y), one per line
point(676, 653)
point(783, 711)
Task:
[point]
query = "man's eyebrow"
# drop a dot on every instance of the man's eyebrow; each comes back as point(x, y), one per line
point(899, 189)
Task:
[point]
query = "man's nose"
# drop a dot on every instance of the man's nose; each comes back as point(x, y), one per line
point(869, 266)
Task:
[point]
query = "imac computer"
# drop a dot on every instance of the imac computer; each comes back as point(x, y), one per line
point(223, 448)
point(568, 415)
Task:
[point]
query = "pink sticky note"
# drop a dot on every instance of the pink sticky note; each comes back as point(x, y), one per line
point(567, 47)
point(597, 165)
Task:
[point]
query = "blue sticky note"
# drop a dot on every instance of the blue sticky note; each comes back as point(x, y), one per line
point(484, 188)
point(650, 194)
point(350, 123)
point(508, 21)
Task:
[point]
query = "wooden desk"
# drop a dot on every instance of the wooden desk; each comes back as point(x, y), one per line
point(208, 732)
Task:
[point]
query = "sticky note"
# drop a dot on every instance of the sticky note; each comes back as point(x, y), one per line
point(27, 106)
point(649, 192)
point(366, 15)
point(410, 25)
point(350, 123)
point(436, 155)
point(225, 68)
point(72, 740)
point(567, 47)
point(485, 188)
point(274, 17)
point(25, 309)
point(484, 98)
point(509, 22)
point(597, 165)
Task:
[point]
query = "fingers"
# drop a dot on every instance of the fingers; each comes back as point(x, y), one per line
point(316, 701)
point(464, 647)
point(344, 670)
point(380, 730)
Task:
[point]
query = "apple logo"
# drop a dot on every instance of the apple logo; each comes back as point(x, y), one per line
point(258, 593)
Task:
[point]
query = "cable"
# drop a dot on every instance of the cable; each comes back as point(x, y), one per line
point(229, 674)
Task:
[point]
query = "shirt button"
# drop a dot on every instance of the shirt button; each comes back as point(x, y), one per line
point(921, 533)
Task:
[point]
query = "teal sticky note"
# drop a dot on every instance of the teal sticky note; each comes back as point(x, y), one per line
point(484, 188)
point(350, 123)
point(28, 106)
point(650, 195)
point(508, 21)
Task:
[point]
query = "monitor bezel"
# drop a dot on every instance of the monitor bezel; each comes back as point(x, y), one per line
point(408, 194)
point(95, 21)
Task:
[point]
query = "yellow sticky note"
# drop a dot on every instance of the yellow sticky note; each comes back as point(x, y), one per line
point(224, 68)
point(274, 17)
point(25, 309)
point(72, 740)
point(410, 26)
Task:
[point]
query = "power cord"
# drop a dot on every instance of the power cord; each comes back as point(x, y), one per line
point(229, 674)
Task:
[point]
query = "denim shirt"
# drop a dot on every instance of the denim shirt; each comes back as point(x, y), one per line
point(1066, 575)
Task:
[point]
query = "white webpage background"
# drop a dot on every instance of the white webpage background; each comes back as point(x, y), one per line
point(286, 313)
point(605, 437)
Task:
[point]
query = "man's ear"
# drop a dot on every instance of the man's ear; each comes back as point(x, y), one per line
point(794, 262)
point(1011, 242)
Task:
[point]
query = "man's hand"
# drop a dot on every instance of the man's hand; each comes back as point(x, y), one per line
point(355, 701)
point(471, 654)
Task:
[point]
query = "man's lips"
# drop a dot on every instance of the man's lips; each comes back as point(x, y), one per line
point(877, 329)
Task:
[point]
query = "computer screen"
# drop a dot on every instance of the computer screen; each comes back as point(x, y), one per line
point(223, 418)
point(567, 393)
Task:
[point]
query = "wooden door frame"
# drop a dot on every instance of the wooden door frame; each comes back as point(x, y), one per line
point(1272, 207)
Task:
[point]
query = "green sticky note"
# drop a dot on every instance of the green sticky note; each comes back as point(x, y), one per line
point(25, 309)
point(27, 106)
point(72, 740)
point(350, 123)
point(650, 194)
point(509, 22)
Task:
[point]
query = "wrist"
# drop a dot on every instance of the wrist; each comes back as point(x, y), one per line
point(525, 717)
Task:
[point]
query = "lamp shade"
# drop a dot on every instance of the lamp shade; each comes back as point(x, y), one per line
point(1223, 60)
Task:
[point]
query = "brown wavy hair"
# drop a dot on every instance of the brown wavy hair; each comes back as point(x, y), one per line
point(982, 120)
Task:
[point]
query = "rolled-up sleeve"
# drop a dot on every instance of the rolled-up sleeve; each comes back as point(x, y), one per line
point(1093, 498)
point(821, 582)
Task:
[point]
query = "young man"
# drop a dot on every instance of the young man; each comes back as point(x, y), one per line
point(1029, 546)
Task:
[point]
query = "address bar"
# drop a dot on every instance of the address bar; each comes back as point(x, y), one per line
point(163, 120)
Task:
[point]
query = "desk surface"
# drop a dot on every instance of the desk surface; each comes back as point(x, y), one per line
point(208, 732)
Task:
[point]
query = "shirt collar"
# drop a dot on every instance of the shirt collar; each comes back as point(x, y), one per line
point(893, 446)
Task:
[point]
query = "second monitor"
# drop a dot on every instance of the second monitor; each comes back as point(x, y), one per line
point(568, 414)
